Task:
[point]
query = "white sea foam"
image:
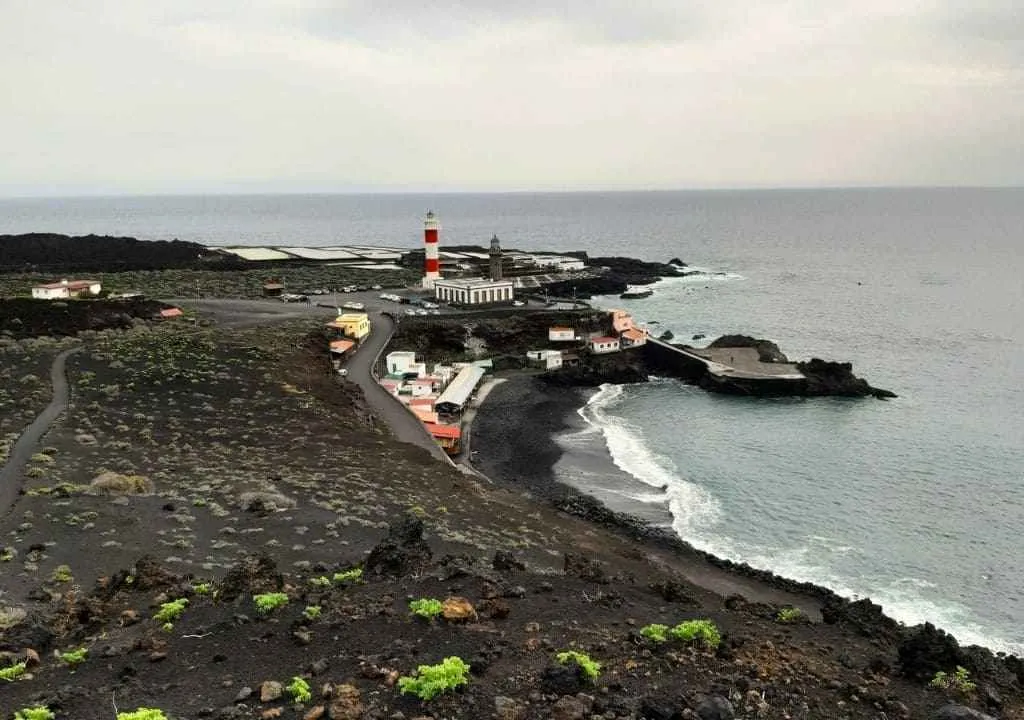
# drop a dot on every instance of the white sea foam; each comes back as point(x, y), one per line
point(904, 599)
point(687, 502)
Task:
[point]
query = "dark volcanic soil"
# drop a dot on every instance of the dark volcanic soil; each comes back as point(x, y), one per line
point(206, 449)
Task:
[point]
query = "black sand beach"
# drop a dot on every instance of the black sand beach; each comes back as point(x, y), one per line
point(521, 437)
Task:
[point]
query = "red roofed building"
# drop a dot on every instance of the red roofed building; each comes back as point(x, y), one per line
point(603, 345)
point(449, 437)
point(66, 289)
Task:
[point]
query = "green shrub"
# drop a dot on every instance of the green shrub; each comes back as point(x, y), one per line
point(12, 672)
point(352, 575)
point(657, 633)
point(62, 574)
point(171, 611)
point(73, 658)
point(703, 632)
point(268, 602)
point(322, 581)
point(39, 712)
point(789, 615)
point(142, 714)
point(299, 690)
point(426, 607)
point(431, 680)
point(202, 588)
point(960, 681)
point(591, 668)
point(312, 612)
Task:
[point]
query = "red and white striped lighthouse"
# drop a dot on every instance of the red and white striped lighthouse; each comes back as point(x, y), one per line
point(432, 266)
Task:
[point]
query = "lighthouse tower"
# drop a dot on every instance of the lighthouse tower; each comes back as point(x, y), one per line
point(432, 266)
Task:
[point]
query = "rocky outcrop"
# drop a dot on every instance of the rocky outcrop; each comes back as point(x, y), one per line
point(23, 317)
point(837, 379)
point(767, 351)
point(403, 551)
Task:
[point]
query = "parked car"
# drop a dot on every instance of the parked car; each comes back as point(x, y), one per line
point(518, 303)
point(376, 287)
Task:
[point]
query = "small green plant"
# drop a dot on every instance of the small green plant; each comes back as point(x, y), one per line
point(12, 672)
point(299, 690)
point(703, 632)
point(430, 681)
point(960, 680)
point(170, 611)
point(789, 615)
point(655, 632)
point(312, 612)
point(202, 588)
point(426, 607)
point(62, 574)
point(268, 602)
point(590, 667)
point(142, 714)
point(353, 575)
point(39, 712)
point(73, 658)
point(320, 582)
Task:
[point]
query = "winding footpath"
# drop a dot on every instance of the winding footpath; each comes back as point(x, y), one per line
point(11, 472)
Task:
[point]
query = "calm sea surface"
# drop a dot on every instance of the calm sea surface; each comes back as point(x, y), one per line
point(917, 503)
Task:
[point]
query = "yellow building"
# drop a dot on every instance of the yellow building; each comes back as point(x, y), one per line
point(353, 325)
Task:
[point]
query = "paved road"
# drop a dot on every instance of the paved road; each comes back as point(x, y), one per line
point(11, 472)
point(249, 313)
point(404, 425)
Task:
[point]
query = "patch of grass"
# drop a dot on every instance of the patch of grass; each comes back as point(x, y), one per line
point(789, 615)
point(428, 608)
point(353, 575)
point(39, 712)
point(13, 672)
point(268, 602)
point(590, 667)
point(655, 632)
point(299, 690)
point(202, 588)
point(701, 632)
point(429, 681)
point(321, 582)
point(960, 681)
point(142, 714)
point(169, 612)
point(312, 612)
point(74, 658)
point(62, 574)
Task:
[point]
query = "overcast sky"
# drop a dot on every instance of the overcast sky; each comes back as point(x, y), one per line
point(147, 96)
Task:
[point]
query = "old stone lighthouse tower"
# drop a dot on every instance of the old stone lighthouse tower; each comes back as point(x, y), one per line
point(495, 254)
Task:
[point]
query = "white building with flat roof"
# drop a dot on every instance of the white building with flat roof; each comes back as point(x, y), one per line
point(400, 361)
point(473, 291)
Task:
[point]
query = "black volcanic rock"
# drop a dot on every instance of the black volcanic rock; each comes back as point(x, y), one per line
point(767, 351)
point(49, 252)
point(23, 317)
point(834, 378)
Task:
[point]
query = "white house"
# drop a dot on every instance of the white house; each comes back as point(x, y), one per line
point(399, 362)
point(477, 291)
point(602, 345)
point(66, 289)
point(561, 334)
point(550, 359)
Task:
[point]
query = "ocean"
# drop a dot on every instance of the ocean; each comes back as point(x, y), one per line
point(917, 502)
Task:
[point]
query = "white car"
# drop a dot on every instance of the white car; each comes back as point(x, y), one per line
point(518, 303)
